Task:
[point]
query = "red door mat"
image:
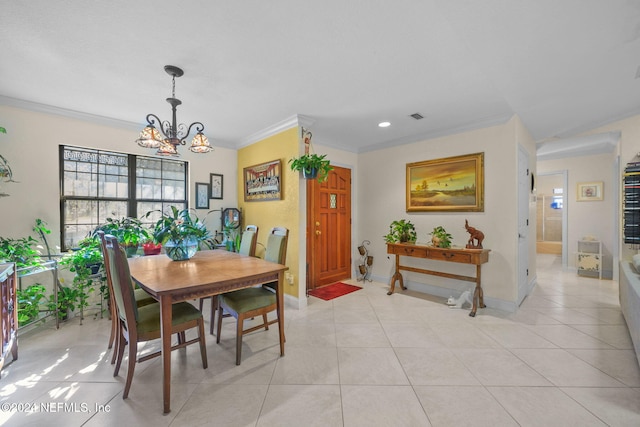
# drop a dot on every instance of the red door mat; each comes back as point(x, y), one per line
point(333, 291)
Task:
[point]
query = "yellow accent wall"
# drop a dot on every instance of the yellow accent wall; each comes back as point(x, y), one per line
point(284, 212)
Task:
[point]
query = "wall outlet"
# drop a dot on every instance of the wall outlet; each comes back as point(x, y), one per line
point(288, 277)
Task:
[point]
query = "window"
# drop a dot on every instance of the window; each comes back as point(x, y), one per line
point(96, 185)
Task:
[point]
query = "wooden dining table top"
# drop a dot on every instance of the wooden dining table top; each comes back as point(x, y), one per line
point(208, 272)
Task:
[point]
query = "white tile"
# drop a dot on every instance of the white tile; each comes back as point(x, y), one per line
point(378, 366)
point(368, 406)
point(462, 405)
point(614, 406)
point(296, 405)
point(562, 368)
point(543, 406)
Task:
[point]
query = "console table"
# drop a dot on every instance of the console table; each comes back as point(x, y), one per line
point(476, 257)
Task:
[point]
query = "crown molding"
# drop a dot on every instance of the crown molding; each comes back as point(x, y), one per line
point(600, 143)
point(297, 120)
point(72, 114)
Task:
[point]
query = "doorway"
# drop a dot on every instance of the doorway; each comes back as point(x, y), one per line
point(329, 229)
point(551, 214)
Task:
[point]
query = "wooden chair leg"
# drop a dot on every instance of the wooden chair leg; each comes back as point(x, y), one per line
point(114, 321)
point(266, 324)
point(203, 347)
point(239, 325)
point(219, 324)
point(121, 345)
point(133, 352)
point(116, 349)
point(214, 302)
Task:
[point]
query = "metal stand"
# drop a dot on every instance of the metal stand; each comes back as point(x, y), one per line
point(366, 261)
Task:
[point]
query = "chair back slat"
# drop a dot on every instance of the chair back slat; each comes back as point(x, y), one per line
point(277, 245)
point(248, 243)
point(122, 285)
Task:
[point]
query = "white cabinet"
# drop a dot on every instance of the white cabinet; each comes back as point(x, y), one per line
point(589, 258)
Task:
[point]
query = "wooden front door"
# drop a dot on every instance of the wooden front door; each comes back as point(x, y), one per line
point(329, 229)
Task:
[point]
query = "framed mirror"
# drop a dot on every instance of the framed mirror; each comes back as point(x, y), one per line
point(231, 218)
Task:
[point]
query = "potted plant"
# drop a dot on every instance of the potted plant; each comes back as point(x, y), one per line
point(401, 231)
point(129, 231)
point(21, 251)
point(312, 166)
point(29, 303)
point(67, 300)
point(180, 233)
point(440, 238)
point(85, 261)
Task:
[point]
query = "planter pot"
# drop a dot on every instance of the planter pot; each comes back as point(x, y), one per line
point(310, 173)
point(130, 250)
point(181, 250)
point(95, 268)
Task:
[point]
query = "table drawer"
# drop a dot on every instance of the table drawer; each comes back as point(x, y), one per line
point(415, 251)
point(450, 256)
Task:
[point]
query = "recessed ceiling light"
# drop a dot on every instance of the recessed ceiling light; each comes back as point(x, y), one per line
point(384, 124)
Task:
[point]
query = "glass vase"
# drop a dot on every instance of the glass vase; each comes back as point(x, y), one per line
point(181, 250)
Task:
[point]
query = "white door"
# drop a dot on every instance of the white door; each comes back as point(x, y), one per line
point(524, 187)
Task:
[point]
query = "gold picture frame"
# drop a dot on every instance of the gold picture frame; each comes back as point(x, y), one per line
point(263, 182)
point(450, 184)
point(590, 191)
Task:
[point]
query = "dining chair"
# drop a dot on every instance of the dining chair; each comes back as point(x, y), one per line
point(247, 247)
point(256, 301)
point(140, 324)
point(141, 296)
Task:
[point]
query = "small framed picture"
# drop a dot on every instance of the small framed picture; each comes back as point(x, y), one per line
point(589, 191)
point(216, 181)
point(202, 195)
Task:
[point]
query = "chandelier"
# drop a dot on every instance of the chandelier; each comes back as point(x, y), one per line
point(169, 135)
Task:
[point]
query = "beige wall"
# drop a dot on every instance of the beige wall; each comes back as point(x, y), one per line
point(381, 199)
point(628, 149)
point(31, 147)
point(588, 218)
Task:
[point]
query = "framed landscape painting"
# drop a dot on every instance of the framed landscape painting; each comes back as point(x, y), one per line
point(453, 184)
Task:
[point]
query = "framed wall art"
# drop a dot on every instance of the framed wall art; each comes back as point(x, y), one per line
point(263, 182)
point(202, 195)
point(216, 184)
point(451, 184)
point(589, 191)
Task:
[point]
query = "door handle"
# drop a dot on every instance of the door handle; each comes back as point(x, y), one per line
point(318, 232)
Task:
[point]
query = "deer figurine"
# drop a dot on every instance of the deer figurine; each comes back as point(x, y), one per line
point(475, 236)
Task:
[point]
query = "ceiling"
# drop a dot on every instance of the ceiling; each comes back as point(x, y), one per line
point(561, 66)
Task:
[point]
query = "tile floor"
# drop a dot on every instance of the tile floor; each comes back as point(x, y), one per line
point(364, 359)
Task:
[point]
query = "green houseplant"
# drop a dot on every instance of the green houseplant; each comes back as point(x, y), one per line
point(85, 262)
point(180, 232)
point(22, 251)
point(129, 231)
point(400, 232)
point(312, 166)
point(440, 238)
point(29, 301)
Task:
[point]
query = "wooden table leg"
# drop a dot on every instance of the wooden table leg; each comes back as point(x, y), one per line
point(396, 277)
point(478, 294)
point(165, 333)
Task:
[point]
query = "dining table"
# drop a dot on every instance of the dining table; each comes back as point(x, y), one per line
point(207, 273)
